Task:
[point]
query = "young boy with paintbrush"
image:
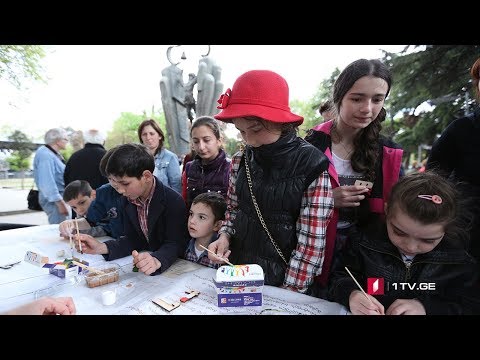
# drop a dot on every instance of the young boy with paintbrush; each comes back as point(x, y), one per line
point(100, 207)
point(155, 216)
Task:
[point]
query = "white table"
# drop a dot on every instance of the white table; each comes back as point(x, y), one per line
point(135, 291)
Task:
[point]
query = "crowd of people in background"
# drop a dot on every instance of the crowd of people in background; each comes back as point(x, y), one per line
point(316, 213)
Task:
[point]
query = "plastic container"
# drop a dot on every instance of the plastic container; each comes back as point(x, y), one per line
point(239, 285)
point(111, 274)
point(109, 297)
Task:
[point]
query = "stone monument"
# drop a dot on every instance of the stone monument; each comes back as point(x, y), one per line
point(178, 101)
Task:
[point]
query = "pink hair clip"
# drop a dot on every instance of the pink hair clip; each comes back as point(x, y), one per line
point(433, 198)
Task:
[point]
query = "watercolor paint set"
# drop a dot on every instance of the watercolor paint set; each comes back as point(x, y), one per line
point(239, 285)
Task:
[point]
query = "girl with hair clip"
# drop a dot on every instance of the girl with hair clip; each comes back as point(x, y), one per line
point(364, 165)
point(210, 168)
point(418, 253)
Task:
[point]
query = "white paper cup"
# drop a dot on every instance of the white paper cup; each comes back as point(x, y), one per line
point(109, 297)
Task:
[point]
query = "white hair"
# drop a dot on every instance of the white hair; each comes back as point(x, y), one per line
point(93, 136)
point(55, 134)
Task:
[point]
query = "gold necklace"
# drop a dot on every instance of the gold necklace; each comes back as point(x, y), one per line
point(339, 138)
point(347, 152)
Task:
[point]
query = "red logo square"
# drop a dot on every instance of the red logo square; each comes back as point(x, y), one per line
point(375, 286)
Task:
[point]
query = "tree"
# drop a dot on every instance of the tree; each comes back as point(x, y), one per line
point(310, 115)
point(309, 110)
point(232, 146)
point(22, 150)
point(325, 90)
point(437, 75)
point(20, 62)
point(125, 128)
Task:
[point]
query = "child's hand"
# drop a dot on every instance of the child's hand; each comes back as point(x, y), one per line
point(406, 307)
point(349, 195)
point(360, 305)
point(145, 262)
point(89, 244)
point(219, 247)
point(66, 228)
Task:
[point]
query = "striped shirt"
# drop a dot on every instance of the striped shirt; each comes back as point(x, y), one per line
point(315, 213)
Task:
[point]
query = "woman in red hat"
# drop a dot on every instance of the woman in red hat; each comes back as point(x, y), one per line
point(279, 197)
point(358, 154)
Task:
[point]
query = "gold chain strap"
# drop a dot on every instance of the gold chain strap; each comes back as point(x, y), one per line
point(257, 209)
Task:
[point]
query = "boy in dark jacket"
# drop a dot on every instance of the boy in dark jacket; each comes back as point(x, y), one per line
point(155, 216)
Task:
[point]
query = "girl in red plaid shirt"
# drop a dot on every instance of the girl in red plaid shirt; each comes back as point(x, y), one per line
point(279, 177)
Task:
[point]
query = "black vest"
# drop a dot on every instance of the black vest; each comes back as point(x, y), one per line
point(280, 172)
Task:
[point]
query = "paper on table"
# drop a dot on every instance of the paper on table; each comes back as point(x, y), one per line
point(134, 290)
point(181, 267)
point(276, 301)
point(10, 255)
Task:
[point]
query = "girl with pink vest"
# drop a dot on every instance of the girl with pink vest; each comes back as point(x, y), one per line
point(357, 154)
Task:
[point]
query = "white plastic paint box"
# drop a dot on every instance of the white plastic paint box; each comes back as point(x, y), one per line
point(239, 285)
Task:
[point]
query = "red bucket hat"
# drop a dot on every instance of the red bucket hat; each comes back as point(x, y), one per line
point(260, 93)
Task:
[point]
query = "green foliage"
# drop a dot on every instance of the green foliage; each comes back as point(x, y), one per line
point(5, 130)
point(126, 126)
point(325, 90)
point(232, 146)
point(67, 152)
point(17, 162)
point(309, 110)
point(390, 127)
point(124, 130)
point(21, 145)
point(311, 117)
point(19, 62)
point(437, 75)
point(407, 140)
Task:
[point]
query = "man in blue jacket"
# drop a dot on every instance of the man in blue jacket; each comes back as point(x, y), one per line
point(48, 169)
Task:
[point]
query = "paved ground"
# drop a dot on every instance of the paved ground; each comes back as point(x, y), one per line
point(14, 210)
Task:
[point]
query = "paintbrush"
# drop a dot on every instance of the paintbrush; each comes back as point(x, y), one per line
point(78, 234)
point(211, 252)
point(71, 243)
point(363, 291)
point(93, 270)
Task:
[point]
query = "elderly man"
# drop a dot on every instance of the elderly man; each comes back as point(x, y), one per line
point(48, 169)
